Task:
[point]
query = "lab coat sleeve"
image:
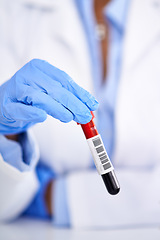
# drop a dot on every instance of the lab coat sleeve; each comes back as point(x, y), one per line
point(18, 181)
point(137, 204)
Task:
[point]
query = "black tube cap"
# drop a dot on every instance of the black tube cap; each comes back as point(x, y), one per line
point(111, 182)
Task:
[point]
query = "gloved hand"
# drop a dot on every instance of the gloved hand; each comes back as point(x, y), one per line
point(38, 89)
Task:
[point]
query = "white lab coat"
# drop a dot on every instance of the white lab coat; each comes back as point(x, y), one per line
point(26, 34)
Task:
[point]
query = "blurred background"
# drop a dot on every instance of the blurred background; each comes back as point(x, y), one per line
point(48, 180)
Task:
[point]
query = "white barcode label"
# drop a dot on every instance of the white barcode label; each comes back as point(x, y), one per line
point(100, 156)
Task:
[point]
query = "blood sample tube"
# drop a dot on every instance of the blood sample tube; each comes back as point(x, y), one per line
point(100, 156)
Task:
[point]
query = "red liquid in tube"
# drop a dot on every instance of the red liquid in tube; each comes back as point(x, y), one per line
point(100, 156)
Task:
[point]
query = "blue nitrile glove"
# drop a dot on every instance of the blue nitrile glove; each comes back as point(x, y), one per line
point(38, 89)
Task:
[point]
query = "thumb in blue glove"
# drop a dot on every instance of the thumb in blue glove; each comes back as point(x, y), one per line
point(38, 89)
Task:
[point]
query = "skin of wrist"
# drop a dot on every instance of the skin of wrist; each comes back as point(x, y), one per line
point(13, 137)
point(48, 198)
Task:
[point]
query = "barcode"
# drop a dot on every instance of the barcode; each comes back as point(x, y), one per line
point(100, 149)
point(101, 153)
point(96, 141)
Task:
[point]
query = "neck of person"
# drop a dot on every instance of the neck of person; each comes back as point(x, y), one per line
point(103, 33)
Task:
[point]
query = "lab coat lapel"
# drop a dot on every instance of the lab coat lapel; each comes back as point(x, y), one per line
point(137, 40)
point(137, 112)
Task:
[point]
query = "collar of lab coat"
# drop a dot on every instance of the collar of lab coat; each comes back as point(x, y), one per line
point(143, 18)
point(116, 12)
